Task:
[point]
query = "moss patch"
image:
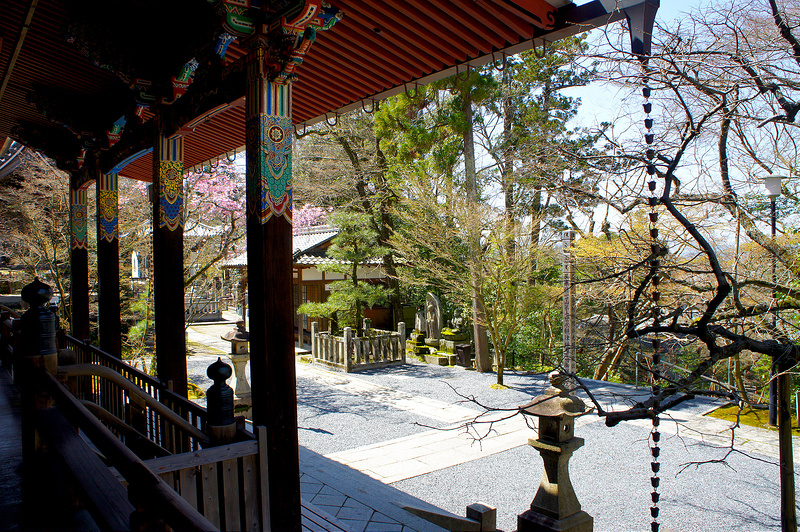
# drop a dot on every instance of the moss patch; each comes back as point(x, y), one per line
point(196, 348)
point(496, 386)
point(749, 416)
point(195, 392)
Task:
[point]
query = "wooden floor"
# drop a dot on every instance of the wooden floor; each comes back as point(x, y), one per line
point(316, 520)
point(10, 455)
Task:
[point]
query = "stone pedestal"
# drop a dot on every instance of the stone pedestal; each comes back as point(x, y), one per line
point(242, 401)
point(555, 507)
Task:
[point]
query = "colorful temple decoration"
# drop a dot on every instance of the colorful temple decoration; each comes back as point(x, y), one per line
point(223, 42)
point(170, 176)
point(78, 215)
point(81, 158)
point(107, 207)
point(275, 156)
point(235, 20)
point(269, 103)
point(115, 133)
point(181, 82)
point(269, 133)
point(317, 15)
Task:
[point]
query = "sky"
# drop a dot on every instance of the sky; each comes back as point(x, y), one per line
point(603, 103)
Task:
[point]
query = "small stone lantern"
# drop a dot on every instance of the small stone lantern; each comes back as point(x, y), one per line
point(239, 339)
point(555, 506)
point(240, 356)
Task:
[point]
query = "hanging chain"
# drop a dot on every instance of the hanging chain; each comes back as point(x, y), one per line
point(655, 295)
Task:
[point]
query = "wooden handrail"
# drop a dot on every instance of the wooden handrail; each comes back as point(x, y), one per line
point(117, 424)
point(164, 392)
point(78, 370)
point(99, 488)
point(153, 491)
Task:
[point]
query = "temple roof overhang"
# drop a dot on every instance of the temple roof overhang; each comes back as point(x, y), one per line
point(91, 78)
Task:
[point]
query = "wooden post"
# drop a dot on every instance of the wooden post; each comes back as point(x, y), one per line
point(568, 274)
point(168, 261)
point(401, 328)
point(79, 263)
point(38, 352)
point(314, 340)
point(269, 272)
point(300, 319)
point(348, 349)
point(108, 312)
point(786, 453)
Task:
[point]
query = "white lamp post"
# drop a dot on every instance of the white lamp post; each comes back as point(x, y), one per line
point(772, 185)
point(779, 403)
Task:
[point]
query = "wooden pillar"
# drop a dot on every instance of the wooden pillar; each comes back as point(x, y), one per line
point(79, 263)
point(269, 272)
point(168, 262)
point(108, 305)
point(300, 319)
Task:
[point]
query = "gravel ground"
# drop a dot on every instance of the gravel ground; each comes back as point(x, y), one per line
point(611, 473)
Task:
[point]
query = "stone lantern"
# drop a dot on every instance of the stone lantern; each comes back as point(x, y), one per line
point(555, 506)
point(240, 356)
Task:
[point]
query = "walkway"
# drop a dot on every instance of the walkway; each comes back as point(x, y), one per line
point(10, 454)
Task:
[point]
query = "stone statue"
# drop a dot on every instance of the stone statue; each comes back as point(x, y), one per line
point(433, 316)
point(457, 323)
point(419, 322)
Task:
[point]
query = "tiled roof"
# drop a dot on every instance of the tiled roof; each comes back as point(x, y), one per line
point(305, 240)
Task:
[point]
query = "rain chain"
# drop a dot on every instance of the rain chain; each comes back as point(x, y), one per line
point(655, 294)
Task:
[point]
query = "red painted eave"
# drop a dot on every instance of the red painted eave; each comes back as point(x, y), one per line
point(376, 50)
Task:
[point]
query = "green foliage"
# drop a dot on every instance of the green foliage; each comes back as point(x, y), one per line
point(354, 245)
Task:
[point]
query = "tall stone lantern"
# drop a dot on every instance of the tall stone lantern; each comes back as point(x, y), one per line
point(555, 508)
point(240, 356)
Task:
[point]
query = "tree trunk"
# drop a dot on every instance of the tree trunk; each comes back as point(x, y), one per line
point(508, 169)
point(483, 360)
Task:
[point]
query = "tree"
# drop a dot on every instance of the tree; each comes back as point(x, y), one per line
point(34, 220)
point(725, 86)
point(344, 166)
point(435, 240)
point(351, 249)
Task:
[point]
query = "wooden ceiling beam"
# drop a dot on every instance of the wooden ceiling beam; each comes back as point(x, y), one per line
point(482, 21)
point(23, 32)
point(370, 47)
point(423, 21)
point(370, 16)
point(388, 73)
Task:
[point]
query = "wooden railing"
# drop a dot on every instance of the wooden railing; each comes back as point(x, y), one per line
point(132, 409)
point(112, 506)
point(377, 348)
point(224, 483)
point(197, 307)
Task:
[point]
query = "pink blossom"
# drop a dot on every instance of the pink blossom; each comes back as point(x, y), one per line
point(307, 216)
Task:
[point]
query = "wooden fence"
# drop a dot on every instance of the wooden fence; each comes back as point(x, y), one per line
point(377, 348)
point(202, 309)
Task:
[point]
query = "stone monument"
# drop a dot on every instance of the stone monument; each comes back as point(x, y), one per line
point(433, 316)
point(457, 323)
